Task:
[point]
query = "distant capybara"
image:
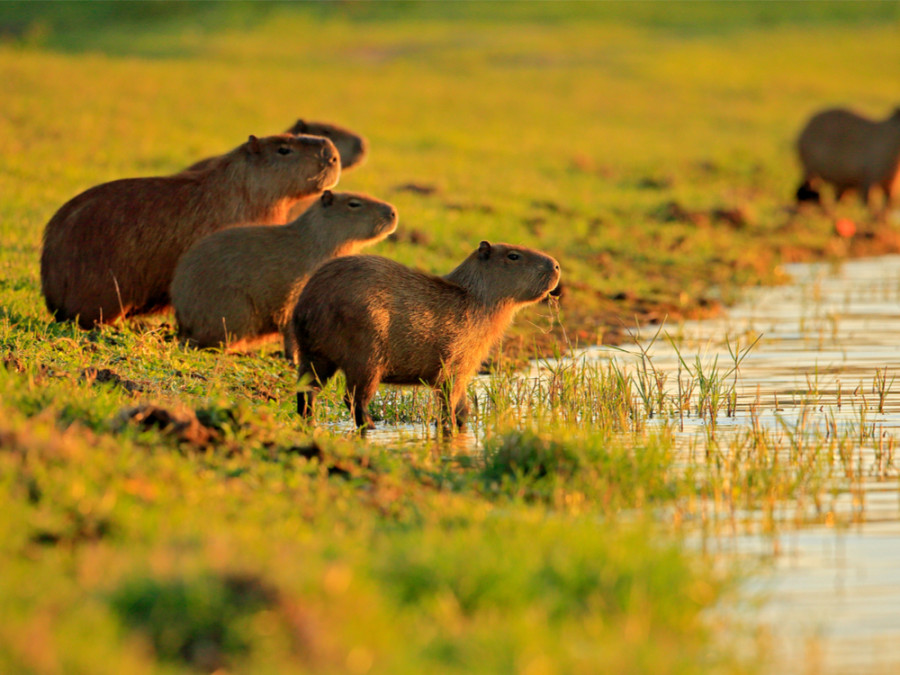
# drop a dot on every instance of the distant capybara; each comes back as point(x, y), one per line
point(379, 321)
point(238, 286)
point(112, 250)
point(351, 147)
point(852, 153)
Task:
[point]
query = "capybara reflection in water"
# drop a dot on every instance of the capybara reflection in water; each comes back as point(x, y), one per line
point(238, 287)
point(352, 148)
point(379, 321)
point(112, 250)
point(852, 153)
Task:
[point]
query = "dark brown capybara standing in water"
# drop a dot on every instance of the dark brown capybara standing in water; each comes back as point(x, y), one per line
point(379, 321)
point(237, 287)
point(112, 250)
point(851, 152)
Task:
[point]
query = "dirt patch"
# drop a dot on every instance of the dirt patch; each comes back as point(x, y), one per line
point(417, 188)
point(673, 211)
point(410, 236)
point(104, 375)
point(183, 425)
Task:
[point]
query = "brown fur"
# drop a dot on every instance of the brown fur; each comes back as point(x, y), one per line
point(852, 153)
point(352, 148)
point(111, 251)
point(379, 321)
point(238, 287)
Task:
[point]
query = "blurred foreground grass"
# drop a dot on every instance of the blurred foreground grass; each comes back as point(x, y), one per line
point(618, 137)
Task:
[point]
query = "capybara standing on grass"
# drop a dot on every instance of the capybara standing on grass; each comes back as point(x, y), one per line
point(351, 147)
point(852, 153)
point(112, 250)
point(379, 321)
point(238, 286)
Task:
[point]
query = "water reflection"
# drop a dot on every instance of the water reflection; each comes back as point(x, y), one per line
point(824, 367)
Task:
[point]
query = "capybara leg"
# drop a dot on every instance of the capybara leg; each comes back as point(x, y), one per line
point(454, 408)
point(361, 390)
point(291, 351)
point(807, 193)
point(865, 197)
point(462, 413)
point(320, 371)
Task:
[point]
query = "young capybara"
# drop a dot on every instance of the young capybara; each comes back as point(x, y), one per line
point(850, 152)
point(379, 321)
point(238, 286)
point(112, 250)
point(352, 148)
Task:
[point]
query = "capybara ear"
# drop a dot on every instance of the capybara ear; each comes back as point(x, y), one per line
point(300, 127)
point(253, 144)
point(484, 250)
point(327, 198)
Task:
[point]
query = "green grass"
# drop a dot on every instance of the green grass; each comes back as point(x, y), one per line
point(219, 532)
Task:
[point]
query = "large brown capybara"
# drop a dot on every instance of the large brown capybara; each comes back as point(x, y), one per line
point(851, 152)
point(112, 250)
point(237, 287)
point(351, 147)
point(379, 321)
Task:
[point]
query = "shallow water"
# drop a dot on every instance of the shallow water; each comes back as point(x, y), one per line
point(827, 592)
point(828, 597)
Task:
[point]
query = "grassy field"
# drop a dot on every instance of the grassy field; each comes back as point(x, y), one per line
point(165, 511)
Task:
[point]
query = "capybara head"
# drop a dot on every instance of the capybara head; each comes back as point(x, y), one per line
point(499, 272)
point(357, 217)
point(288, 156)
point(352, 147)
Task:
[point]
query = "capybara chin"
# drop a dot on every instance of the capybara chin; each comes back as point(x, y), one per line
point(352, 148)
point(237, 287)
point(112, 250)
point(851, 152)
point(379, 321)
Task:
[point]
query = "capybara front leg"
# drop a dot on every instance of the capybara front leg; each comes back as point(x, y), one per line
point(454, 407)
point(291, 350)
point(361, 390)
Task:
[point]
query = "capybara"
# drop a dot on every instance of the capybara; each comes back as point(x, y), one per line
point(379, 321)
point(852, 153)
point(111, 251)
point(352, 148)
point(238, 286)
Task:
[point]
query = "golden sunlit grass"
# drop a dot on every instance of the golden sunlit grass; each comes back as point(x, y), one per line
point(212, 530)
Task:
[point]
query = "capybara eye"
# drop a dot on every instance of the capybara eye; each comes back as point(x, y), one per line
point(512, 255)
point(354, 203)
point(284, 150)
